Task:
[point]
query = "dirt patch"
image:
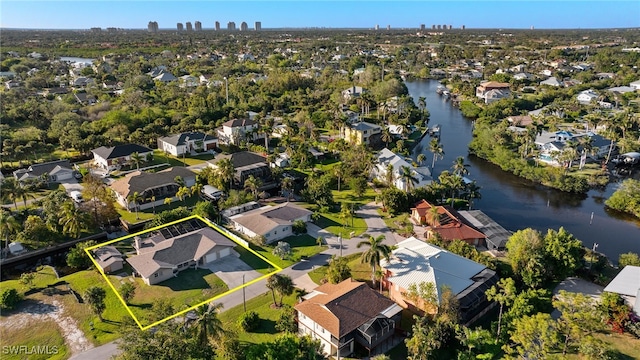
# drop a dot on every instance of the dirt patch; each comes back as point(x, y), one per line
point(41, 311)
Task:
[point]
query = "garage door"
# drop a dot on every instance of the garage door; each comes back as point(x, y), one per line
point(225, 252)
point(211, 257)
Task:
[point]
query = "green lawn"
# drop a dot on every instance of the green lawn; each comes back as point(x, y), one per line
point(262, 304)
point(333, 224)
point(147, 214)
point(189, 288)
point(359, 271)
point(160, 157)
point(301, 245)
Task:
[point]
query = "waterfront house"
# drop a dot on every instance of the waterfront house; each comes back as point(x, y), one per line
point(627, 284)
point(414, 262)
point(491, 91)
point(347, 316)
point(361, 133)
point(109, 259)
point(448, 224)
point(159, 258)
point(386, 158)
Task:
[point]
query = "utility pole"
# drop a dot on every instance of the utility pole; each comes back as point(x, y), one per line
point(226, 86)
point(340, 240)
point(244, 298)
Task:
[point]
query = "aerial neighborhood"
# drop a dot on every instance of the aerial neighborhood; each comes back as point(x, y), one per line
point(430, 193)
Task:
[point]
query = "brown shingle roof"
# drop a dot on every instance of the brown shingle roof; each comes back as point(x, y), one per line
point(341, 308)
point(263, 220)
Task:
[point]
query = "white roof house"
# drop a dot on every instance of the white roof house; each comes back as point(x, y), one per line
point(586, 96)
point(387, 157)
point(627, 284)
point(635, 85)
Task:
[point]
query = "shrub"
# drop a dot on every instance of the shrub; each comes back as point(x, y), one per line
point(287, 320)
point(249, 321)
point(282, 250)
point(299, 227)
point(9, 298)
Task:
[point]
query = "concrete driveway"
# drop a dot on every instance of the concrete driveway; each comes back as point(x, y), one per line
point(231, 270)
point(71, 185)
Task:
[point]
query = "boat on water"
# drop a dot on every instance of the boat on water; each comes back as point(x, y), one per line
point(440, 89)
point(434, 130)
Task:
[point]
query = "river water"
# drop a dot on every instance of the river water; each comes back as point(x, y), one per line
point(516, 203)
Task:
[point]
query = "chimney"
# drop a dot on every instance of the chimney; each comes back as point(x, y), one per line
point(137, 243)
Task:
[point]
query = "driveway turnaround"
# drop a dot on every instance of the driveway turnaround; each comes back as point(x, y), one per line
point(233, 271)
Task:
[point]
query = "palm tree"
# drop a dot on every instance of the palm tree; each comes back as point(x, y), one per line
point(377, 250)
point(284, 287)
point(136, 159)
point(287, 184)
point(182, 193)
point(226, 171)
point(421, 158)
point(253, 184)
point(422, 105)
point(208, 325)
point(152, 199)
point(386, 136)
point(433, 217)
point(338, 171)
point(389, 175)
point(73, 220)
point(473, 192)
point(136, 199)
point(8, 225)
point(459, 167)
point(436, 148)
point(272, 284)
point(11, 190)
point(406, 174)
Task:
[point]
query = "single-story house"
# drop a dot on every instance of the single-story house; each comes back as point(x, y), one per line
point(585, 97)
point(387, 157)
point(110, 158)
point(497, 236)
point(149, 186)
point(272, 222)
point(449, 224)
point(187, 142)
point(552, 81)
point(627, 284)
point(347, 315)
point(109, 259)
point(245, 164)
point(165, 77)
point(55, 171)
point(159, 259)
point(415, 261)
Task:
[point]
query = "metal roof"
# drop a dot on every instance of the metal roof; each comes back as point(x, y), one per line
point(627, 282)
point(497, 236)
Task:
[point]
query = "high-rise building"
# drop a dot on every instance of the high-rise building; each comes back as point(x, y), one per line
point(450, 27)
point(377, 27)
point(258, 26)
point(422, 27)
point(439, 27)
point(198, 25)
point(180, 27)
point(444, 27)
point(96, 30)
point(388, 27)
point(462, 27)
point(152, 26)
point(189, 26)
point(244, 26)
point(433, 27)
point(217, 25)
point(231, 26)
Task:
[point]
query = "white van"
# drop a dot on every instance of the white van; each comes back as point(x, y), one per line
point(76, 196)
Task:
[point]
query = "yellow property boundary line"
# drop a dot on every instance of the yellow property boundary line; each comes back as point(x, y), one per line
point(210, 224)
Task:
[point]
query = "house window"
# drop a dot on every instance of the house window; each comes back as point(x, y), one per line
point(275, 232)
point(267, 235)
point(155, 275)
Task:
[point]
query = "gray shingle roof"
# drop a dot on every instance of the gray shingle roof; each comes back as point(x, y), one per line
point(119, 151)
point(181, 139)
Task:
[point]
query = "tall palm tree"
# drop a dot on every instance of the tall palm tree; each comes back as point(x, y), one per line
point(287, 184)
point(338, 172)
point(436, 148)
point(386, 137)
point(473, 192)
point(389, 175)
point(226, 171)
point(422, 105)
point(421, 158)
point(433, 217)
point(208, 325)
point(11, 190)
point(72, 219)
point(8, 226)
point(284, 287)
point(459, 167)
point(135, 198)
point(406, 174)
point(253, 184)
point(377, 250)
point(136, 159)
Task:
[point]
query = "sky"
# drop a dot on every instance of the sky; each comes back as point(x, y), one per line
point(507, 14)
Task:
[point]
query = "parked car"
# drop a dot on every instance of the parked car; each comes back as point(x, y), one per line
point(76, 196)
point(212, 193)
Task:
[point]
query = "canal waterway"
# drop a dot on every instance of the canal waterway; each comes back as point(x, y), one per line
point(516, 203)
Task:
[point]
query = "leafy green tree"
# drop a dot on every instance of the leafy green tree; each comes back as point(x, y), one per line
point(526, 254)
point(478, 342)
point(427, 336)
point(287, 320)
point(282, 250)
point(563, 253)
point(338, 270)
point(318, 190)
point(504, 293)
point(127, 291)
point(8, 226)
point(253, 184)
point(249, 321)
point(206, 209)
point(299, 227)
point(77, 258)
point(376, 251)
point(9, 298)
point(358, 185)
point(629, 258)
point(27, 279)
point(95, 296)
point(626, 198)
point(580, 316)
point(287, 346)
point(535, 336)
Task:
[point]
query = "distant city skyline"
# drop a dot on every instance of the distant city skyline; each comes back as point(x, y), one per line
point(508, 14)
